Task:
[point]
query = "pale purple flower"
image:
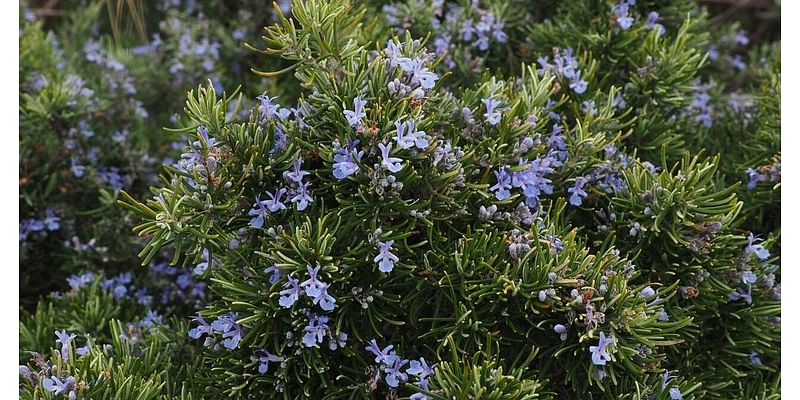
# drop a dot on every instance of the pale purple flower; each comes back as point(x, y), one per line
point(78, 281)
point(394, 374)
point(281, 141)
point(206, 139)
point(77, 169)
point(274, 203)
point(419, 73)
point(467, 29)
point(741, 294)
point(674, 393)
point(267, 358)
point(325, 301)
point(385, 258)
point(647, 292)
point(577, 192)
point(420, 369)
point(493, 110)
point(203, 327)
point(737, 63)
point(57, 386)
point(385, 356)
point(403, 139)
point(755, 178)
point(312, 286)
point(345, 160)
point(589, 107)
point(354, 117)
point(28, 374)
point(502, 188)
point(151, 319)
point(316, 330)
point(757, 249)
point(230, 329)
point(296, 174)
point(577, 84)
point(238, 34)
point(390, 163)
point(258, 212)
point(407, 136)
point(392, 51)
point(205, 262)
point(65, 340)
point(755, 359)
point(276, 273)
point(266, 108)
point(302, 198)
point(713, 53)
point(748, 277)
point(290, 295)
point(600, 352)
point(741, 38)
point(652, 22)
point(624, 20)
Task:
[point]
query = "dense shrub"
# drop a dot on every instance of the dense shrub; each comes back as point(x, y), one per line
point(425, 200)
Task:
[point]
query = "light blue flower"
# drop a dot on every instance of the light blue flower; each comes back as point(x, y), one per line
point(276, 273)
point(382, 356)
point(274, 203)
point(385, 258)
point(316, 330)
point(600, 352)
point(266, 108)
point(65, 340)
point(267, 358)
point(296, 174)
point(392, 164)
point(230, 329)
point(325, 301)
point(577, 192)
point(755, 359)
point(394, 374)
point(493, 109)
point(757, 249)
point(420, 368)
point(57, 386)
point(313, 286)
point(621, 10)
point(202, 328)
point(345, 160)
point(302, 198)
point(502, 189)
point(291, 294)
point(258, 212)
point(354, 117)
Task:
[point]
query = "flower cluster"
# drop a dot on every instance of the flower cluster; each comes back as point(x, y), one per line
point(564, 65)
point(621, 14)
point(532, 179)
point(464, 32)
point(766, 173)
point(392, 365)
point(314, 288)
point(415, 77)
point(346, 159)
point(50, 223)
point(225, 324)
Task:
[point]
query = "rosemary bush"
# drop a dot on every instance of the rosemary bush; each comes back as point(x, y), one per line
point(434, 200)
